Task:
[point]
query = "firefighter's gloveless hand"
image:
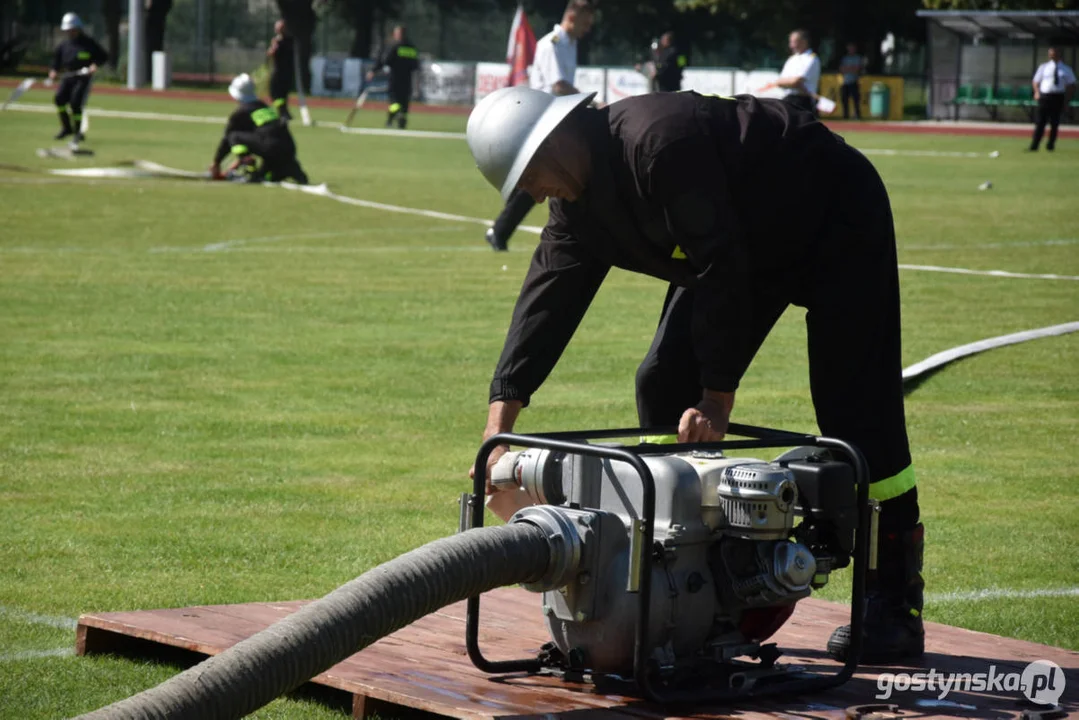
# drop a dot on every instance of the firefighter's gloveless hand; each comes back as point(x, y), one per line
point(707, 422)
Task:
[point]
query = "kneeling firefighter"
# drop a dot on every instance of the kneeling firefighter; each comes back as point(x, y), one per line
point(709, 195)
point(256, 130)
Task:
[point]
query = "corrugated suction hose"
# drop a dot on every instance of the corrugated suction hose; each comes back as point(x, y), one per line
point(293, 650)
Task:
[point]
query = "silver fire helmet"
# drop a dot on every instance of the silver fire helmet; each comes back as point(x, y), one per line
point(70, 21)
point(242, 88)
point(509, 125)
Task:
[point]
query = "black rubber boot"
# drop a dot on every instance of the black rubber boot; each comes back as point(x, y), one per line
point(65, 124)
point(893, 614)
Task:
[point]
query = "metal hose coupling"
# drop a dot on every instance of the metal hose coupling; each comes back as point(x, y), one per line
point(569, 533)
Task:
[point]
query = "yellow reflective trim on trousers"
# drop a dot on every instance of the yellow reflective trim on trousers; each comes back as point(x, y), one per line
point(407, 52)
point(682, 61)
point(239, 149)
point(396, 107)
point(894, 486)
point(678, 254)
point(659, 439)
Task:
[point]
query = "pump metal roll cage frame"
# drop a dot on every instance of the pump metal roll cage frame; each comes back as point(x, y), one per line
point(641, 547)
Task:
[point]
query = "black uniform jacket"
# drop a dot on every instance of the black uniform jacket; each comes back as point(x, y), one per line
point(722, 195)
point(78, 52)
point(669, 64)
point(254, 117)
point(402, 59)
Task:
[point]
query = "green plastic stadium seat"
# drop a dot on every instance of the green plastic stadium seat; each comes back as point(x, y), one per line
point(963, 95)
point(983, 95)
point(1004, 95)
point(1024, 96)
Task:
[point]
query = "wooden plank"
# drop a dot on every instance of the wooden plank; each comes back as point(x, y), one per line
point(424, 668)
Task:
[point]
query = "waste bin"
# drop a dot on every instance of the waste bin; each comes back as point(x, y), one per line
point(878, 100)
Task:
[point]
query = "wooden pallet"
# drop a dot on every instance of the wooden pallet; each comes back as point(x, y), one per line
point(423, 667)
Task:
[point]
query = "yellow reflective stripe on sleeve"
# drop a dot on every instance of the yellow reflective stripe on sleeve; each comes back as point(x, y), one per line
point(83, 55)
point(659, 439)
point(678, 254)
point(238, 149)
point(264, 115)
point(407, 52)
point(682, 61)
point(894, 486)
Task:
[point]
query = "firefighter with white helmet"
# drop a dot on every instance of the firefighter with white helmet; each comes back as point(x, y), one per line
point(709, 195)
point(76, 59)
point(256, 132)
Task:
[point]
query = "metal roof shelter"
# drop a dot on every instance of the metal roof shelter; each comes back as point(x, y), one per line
point(981, 61)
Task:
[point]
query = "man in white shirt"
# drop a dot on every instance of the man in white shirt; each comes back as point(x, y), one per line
point(1054, 87)
point(553, 71)
point(800, 76)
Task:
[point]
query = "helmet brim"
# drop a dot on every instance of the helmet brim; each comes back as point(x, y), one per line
point(552, 117)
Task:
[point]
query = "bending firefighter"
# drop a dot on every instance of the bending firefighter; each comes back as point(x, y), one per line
point(400, 60)
point(75, 60)
point(708, 195)
point(255, 131)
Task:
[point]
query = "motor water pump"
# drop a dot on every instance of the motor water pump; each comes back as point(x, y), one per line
point(672, 565)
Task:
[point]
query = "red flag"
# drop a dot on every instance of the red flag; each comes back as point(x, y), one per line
point(521, 50)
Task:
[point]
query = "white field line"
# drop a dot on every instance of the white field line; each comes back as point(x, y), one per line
point(990, 273)
point(943, 358)
point(393, 230)
point(927, 153)
point(997, 245)
point(323, 191)
point(999, 594)
point(31, 618)
point(36, 654)
point(125, 114)
point(425, 134)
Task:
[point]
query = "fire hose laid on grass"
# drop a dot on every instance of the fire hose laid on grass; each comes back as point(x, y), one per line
point(259, 669)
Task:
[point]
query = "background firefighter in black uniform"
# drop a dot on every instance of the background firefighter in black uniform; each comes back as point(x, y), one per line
point(255, 129)
point(400, 59)
point(283, 70)
point(683, 188)
point(77, 58)
point(669, 65)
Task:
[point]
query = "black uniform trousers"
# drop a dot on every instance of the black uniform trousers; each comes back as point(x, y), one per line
point(849, 286)
point(1050, 108)
point(278, 155)
point(850, 92)
point(400, 95)
point(281, 84)
point(517, 207)
point(73, 91)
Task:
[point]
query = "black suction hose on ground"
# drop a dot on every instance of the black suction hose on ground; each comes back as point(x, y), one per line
point(259, 669)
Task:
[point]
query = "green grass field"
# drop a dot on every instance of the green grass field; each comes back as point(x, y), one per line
point(212, 393)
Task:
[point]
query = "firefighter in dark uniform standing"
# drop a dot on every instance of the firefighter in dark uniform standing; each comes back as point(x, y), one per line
point(400, 59)
point(78, 58)
point(283, 73)
point(669, 65)
point(683, 187)
point(256, 129)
